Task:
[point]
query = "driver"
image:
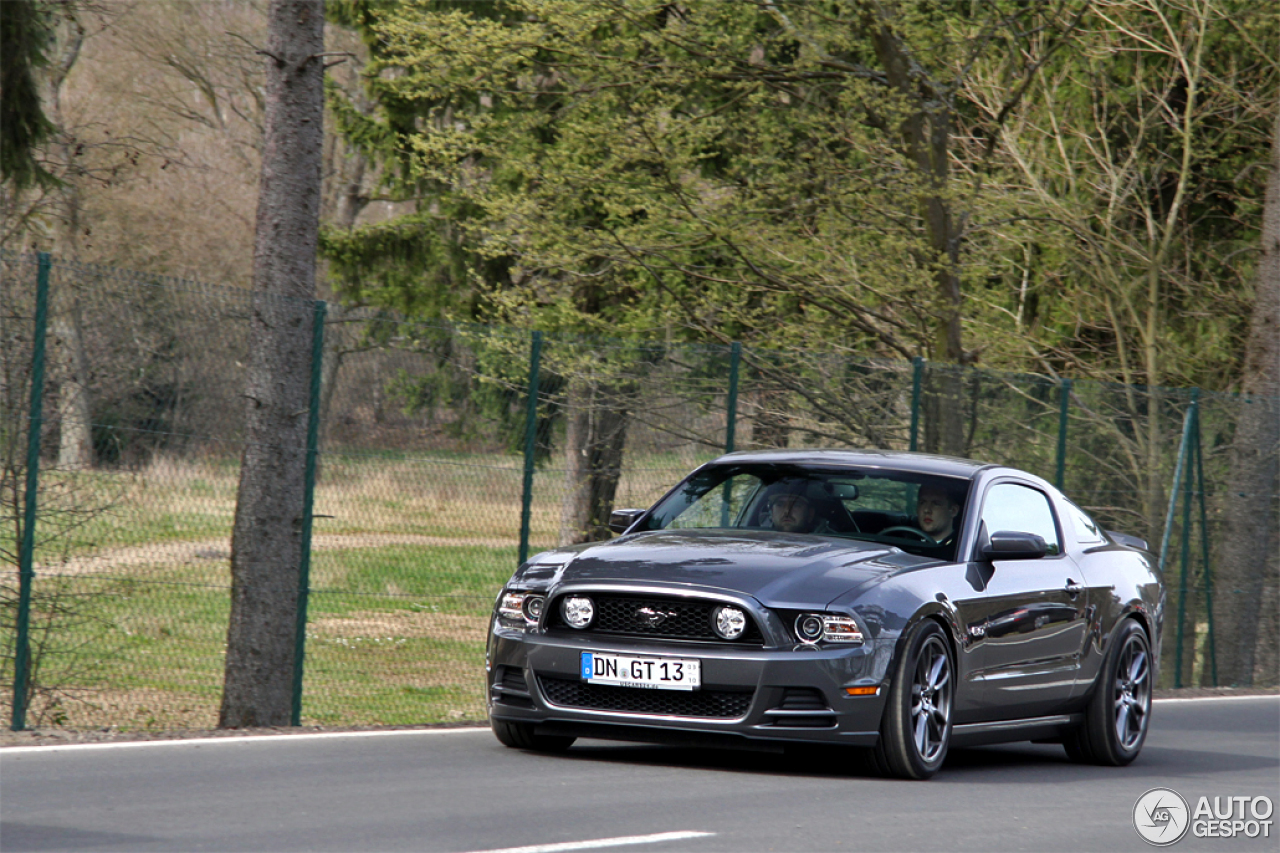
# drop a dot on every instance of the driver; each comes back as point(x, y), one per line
point(792, 511)
point(936, 513)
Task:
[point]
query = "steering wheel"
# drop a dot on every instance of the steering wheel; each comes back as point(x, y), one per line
point(910, 533)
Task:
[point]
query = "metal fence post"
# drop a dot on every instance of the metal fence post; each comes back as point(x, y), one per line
point(530, 443)
point(1173, 493)
point(1192, 424)
point(1204, 551)
point(1187, 423)
point(26, 551)
point(308, 502)
point(917, 377)
point(1064, 406)
point(735, 359)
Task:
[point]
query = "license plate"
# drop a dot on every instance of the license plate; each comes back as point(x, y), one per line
point(649, 673)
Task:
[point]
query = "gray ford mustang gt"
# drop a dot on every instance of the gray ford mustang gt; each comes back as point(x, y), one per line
point(894, 601)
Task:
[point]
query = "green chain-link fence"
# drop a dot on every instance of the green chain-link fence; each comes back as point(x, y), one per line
point(432, 481)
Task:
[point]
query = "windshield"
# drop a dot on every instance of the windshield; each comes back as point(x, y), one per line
point(915, 512)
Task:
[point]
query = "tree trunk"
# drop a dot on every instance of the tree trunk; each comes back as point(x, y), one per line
point(350, 202)
point(926, 140)
point(266, 544)
point(595, 434)
point(1248, 562)
point(75, 433)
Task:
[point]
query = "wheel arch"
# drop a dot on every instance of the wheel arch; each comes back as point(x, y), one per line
point(1131, 613)
point(946, 619)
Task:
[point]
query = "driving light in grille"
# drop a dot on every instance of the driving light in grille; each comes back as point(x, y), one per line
point(812, 627)
point(578, 611)
point(729, 622)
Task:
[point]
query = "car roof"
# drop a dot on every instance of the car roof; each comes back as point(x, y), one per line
point(916, 463)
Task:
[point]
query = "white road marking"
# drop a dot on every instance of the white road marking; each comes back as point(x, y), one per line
point(1217, 698)
point(601, 842)
point(211, 741)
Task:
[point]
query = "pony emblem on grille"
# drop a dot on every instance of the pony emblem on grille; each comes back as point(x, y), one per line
point(651, 618)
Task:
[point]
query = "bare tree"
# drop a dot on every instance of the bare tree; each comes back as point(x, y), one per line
point(266, 545)
point(1248, 553)
point(595, 435)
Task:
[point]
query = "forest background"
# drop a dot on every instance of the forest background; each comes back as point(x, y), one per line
point(1068, 189)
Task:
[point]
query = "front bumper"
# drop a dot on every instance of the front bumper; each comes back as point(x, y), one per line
point(763, 695)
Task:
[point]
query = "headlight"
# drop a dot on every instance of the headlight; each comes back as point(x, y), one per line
point(809, 627)
point(729, 622)
point(578, 611)
point(521, 607)
point(814, 627)
point(840, 629)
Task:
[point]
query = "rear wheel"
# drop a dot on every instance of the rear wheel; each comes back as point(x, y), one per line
point(523, 736)
point(916, 729)
point(1119, 712)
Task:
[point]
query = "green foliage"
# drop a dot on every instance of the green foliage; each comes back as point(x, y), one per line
point(776, 173)
point(711, 169)
point(24, 34)
point(1140, 154)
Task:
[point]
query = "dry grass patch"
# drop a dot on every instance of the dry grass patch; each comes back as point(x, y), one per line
point(402, 624)
point(217, 552)
point(136, 708)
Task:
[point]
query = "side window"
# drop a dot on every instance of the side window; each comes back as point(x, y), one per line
point(1088, 533)
point(1010, 506)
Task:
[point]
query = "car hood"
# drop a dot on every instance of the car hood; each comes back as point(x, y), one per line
point(777, 569)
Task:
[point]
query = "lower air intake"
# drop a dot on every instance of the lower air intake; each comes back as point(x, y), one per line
point(721, 704)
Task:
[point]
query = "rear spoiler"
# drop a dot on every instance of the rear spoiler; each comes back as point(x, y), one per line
point(1128, 541)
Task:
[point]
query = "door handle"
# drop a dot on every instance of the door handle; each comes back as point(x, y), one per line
point(1073, 588)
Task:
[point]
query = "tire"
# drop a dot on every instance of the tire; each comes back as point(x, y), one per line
point(523, 736)
point(1118, 715)
point(916, 730)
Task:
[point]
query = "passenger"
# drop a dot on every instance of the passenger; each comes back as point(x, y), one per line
point(936, 512)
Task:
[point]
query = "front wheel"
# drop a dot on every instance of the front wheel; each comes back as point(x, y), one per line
point(1119, 712)
point(523, 736)
point(916, 729)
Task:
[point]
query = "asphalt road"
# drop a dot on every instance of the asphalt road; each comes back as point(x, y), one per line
point(461, 791)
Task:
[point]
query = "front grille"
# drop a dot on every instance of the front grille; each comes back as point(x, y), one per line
point(668, 618)
point(722, 704)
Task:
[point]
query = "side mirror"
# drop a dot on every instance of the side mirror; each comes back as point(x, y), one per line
point(621, 519)
point(1011, 545)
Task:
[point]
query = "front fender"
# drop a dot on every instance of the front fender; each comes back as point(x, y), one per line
point(892, 608)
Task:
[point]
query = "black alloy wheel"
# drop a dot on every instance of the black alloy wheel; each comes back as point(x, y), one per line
point(523, 736)
point(916, 729)
point(1119, 712)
